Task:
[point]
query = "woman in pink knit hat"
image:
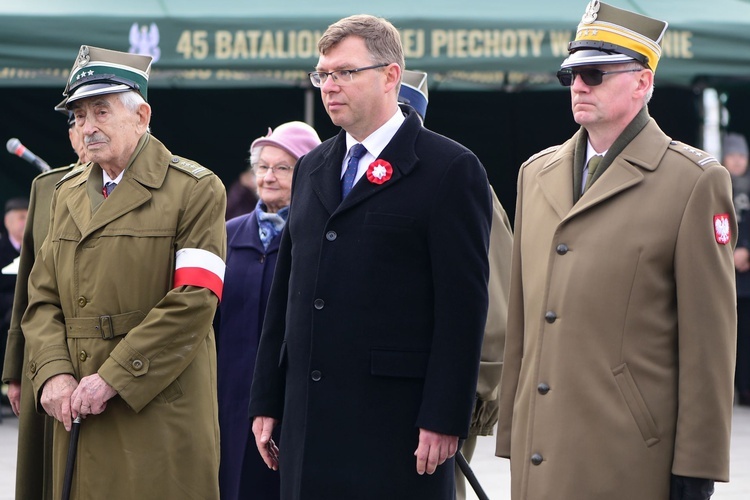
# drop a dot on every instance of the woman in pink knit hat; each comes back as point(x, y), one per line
point(252, 246)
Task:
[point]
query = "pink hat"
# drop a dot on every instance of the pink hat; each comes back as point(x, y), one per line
point(296, 138)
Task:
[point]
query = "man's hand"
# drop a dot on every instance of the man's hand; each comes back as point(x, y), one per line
point(91, 396)
point(14, 396)
point(56, 398)
point(433, 450)
point(262, 429)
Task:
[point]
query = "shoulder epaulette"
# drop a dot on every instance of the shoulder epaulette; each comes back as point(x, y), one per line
point(189, 167)
point(549, 150)
point(77, 169)
point(57, 170)
point(695, 155)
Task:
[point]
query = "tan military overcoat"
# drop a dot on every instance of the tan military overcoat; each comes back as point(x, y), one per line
point(101, 299)
point(620, 346)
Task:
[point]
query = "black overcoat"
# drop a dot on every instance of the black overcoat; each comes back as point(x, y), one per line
point(375, 319)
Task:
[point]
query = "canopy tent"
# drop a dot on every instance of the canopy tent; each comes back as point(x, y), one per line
point(481, 44)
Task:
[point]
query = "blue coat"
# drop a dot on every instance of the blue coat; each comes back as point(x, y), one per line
point(238, 324)
point(375, 321)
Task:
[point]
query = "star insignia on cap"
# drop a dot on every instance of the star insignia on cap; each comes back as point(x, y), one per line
point(91, 72)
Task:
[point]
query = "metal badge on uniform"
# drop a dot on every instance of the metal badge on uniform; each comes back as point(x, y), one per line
point(721, 228)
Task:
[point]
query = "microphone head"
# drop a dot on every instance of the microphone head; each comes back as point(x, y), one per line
point(13, 144)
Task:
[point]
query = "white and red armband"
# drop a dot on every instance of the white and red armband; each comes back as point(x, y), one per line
point(197, 267)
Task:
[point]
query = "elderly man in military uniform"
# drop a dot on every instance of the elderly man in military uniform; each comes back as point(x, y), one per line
point(121, 299)
point(619, 354)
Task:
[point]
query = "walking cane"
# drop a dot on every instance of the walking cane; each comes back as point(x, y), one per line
point(469, 474)
point(70, 464)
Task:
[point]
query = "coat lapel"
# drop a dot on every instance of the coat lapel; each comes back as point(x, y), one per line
point(399, 153)
point(147, 171)
point(627, 170)
point(325, 177)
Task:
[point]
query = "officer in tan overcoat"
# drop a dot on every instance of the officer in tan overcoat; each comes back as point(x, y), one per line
point(33, 461)
point(620, 348)
point(121, 299)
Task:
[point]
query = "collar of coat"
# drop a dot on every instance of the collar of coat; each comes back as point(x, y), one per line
point(153, 152)
point(325, 175)
point(643, 153)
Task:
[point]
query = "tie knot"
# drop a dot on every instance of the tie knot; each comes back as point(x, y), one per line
point(358, 151)
point(108, 188)
point(594, 162)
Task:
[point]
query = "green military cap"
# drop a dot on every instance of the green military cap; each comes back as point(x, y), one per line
point(608, 35)
point(413, 91)
point(100, 71)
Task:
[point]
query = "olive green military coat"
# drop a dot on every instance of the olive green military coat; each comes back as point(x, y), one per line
point(620, 348)
point(34, 455)
point(101, 300)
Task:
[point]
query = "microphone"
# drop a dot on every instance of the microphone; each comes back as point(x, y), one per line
point(16, 148)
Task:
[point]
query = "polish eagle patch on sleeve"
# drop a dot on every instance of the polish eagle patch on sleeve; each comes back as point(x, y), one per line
point(722, 229)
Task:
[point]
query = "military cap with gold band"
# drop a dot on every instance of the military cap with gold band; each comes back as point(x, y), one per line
point(608, 35)
point(99, 71)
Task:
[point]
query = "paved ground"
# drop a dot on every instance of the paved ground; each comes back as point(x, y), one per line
point(493, 473)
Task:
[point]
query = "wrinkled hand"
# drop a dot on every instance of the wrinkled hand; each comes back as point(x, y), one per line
point(14, 396)
point(91, 396)
point(433, 450)
point(262, 429)
point(56, 398)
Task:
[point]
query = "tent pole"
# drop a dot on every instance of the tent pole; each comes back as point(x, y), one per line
point(309, 107)
point(711, 130)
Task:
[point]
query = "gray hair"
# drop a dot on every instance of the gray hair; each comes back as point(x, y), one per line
point(636, 65)
point(132, 100)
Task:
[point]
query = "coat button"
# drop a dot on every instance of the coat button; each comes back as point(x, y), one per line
point(316, 375)
point(82, 355)
point(175, 159)
point(550, 316)
point(331, 235)
point(319, 304)
point(32, 367)
point(536, 459)
point(82, 301)
point(137, 364)
point(542, 388)
point(562, 249)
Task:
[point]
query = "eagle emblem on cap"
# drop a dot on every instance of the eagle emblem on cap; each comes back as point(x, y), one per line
point(83, 57)
point(591, 12)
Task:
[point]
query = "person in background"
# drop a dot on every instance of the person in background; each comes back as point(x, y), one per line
point(242, 195)
point(414, 92)
point(735, 159)
point(34, 454)
point(121, 299)
point(370, 348)
point(14, 221)
point(620, 349)
point(252, 247)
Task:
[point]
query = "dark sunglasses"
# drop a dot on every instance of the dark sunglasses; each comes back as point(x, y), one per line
point(590, 76)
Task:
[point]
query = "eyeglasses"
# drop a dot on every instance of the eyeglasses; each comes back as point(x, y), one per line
point(590, 76)
point(340, 76)
point(280, 171)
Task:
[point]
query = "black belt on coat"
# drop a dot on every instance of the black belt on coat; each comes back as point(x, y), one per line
point(106, 327)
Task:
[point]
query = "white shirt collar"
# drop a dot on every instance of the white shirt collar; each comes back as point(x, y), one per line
point(106, 179)
point(375, 143)
point(590, 151)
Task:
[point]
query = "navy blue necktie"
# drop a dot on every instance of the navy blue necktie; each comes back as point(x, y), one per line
point(108, 188)
point(357, 151)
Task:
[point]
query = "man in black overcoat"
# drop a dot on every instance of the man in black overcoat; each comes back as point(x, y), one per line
point(369, 353)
